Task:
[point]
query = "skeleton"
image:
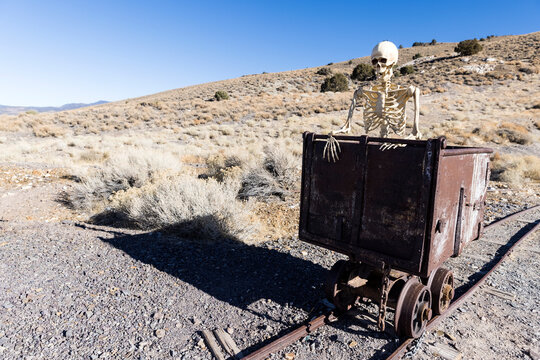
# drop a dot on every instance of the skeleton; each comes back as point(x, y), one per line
point(384, 103)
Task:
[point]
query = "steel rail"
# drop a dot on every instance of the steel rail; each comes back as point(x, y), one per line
point(511, 216)
point(288, 338)
point(303, 330)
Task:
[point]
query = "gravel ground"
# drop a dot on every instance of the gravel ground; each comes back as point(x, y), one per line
point(70, 290)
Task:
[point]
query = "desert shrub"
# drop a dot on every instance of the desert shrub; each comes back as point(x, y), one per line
point(221, 95)
point(417, 56)
point(363, 72)
point(418, 43)
point(468, 47)
point(221, 167)
point(336, 83)
point(528, 70)
point(400, 46)
point(515, 168)
point(187, 206)
point(433, 42)
point(514, 136)
point(406, 70)
point(31, 112)
point(503, 132)
point(47, 130)
point(118, 173)
point(276, 176)
point(325, 71)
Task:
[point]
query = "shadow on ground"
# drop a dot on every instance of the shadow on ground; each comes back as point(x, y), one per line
point(239, 274)
point(230, 271)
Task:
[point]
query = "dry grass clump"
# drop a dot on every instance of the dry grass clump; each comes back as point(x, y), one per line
point(276, 176)
point(505, 132)
point(221, 167)
point(278, 219)
point(187, 206)
point(117, 173)
point(10, 123)
point(515, 168)
point(46, 130)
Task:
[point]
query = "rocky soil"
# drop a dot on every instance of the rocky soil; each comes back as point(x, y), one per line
point(72, 290)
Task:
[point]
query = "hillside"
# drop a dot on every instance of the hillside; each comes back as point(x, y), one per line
point(500, 84)
point(15, 110)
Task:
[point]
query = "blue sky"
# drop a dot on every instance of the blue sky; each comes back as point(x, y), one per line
point(56, 52)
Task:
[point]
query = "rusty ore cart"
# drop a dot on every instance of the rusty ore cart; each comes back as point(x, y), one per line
point(398, 214)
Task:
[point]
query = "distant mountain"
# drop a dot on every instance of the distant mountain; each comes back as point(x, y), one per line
point(14, 110)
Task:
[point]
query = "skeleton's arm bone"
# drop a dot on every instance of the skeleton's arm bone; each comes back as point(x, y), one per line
point(346, 128)
point(416, 130)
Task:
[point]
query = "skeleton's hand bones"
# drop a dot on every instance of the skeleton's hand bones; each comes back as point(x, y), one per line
point(331, 148)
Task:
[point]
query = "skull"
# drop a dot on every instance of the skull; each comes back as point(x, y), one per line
point(383, 57)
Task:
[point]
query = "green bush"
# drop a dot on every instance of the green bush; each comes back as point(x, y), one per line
point(468, 47)
point(324, 71)
point(433, 42)
point(221, 95)
point(418, 43)
point(335, 83)
point(400, 46)
point(417, 56)
point(405, 70)
point(363, 72)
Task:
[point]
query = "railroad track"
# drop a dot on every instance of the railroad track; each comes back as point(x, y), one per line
point(407, 346)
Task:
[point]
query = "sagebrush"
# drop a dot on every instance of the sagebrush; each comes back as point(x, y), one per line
point(515, 168)
point(276, 176)
point(363, 72)
point(117, 173)
point(336, 83)
point(468, 47)
point(187, 206)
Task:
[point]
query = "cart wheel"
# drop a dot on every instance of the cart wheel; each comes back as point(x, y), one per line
point(413, 310)
point(442, 289)
point(335, 286)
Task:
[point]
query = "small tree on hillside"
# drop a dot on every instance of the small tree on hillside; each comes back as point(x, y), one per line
point(335, 83)
point(468, 47)
point(406, 70)
point(324, 71)
point(363, 72)
point(221, 95)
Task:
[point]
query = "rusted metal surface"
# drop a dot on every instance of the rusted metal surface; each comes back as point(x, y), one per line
point(288, 339)
point(410, 207)
point(400, 351)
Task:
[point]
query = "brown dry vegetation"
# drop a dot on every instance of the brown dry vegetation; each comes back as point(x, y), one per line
point(489, 99)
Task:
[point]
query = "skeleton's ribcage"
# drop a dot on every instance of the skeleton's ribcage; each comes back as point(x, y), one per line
point(385, 111)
